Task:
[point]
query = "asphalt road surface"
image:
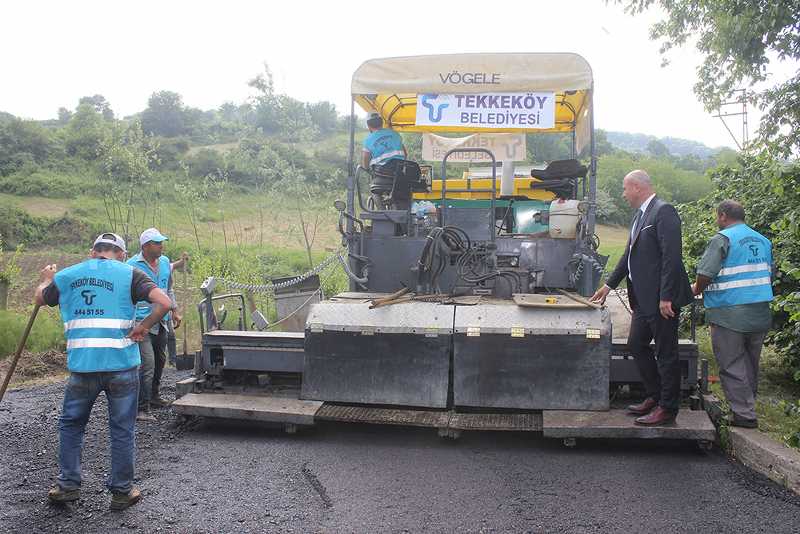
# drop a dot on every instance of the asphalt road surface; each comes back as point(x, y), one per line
point(208, 476)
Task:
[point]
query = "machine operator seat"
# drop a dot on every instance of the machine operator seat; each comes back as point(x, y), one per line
point(559, 177)
point(393, 182)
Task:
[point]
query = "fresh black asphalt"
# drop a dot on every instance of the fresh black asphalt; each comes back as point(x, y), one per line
point(207, 476)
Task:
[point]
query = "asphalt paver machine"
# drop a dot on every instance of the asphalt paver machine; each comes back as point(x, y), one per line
point(469, 275)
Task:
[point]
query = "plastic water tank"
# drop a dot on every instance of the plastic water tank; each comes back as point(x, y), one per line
point(564, 217)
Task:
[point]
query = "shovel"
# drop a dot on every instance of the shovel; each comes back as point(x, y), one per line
point(19, 352)
point(184, 362)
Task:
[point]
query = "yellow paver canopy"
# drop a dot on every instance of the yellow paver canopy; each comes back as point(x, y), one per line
point(392, 87)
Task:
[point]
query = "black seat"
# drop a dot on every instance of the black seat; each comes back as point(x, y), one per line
point(559, 177)
point(561, 168)
point(393, 183)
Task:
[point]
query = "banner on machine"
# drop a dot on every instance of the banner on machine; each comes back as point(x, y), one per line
point(489, 110)
point(504, 146)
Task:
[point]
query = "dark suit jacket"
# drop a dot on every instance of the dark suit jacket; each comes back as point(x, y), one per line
point(656, 262)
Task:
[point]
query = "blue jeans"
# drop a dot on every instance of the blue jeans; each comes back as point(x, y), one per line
point(122, 392)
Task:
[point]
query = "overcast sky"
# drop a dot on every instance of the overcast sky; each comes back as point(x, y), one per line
point(55, 52)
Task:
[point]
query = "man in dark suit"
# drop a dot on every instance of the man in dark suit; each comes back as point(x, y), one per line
point(657, 288)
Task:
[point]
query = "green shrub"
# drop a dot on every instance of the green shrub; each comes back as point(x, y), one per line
point(45, 183)
point(47, 332)
point(18, 226)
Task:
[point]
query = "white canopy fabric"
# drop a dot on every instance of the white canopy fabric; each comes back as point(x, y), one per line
point(390, 86)
point(473, 73)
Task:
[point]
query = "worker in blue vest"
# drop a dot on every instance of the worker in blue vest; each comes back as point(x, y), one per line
point(154, 347)
point(382, 145)
point(735, 277)
point(96, 299)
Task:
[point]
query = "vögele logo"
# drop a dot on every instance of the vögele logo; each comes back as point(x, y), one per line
point(434, 109)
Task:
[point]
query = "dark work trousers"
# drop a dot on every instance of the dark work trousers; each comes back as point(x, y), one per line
point(660, 370)
point(159, 342)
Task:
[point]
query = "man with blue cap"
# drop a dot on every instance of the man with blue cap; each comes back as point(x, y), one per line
point(153, 347)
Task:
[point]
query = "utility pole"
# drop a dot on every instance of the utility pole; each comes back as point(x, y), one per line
point(739, 99)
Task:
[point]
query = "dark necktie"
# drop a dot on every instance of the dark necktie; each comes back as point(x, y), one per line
point(635, 226)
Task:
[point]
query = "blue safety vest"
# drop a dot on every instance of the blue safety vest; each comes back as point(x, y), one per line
point(746, 274)
point(161, 279)
point(94, 298)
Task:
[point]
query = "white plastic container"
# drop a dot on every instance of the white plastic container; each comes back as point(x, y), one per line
point(564, 217)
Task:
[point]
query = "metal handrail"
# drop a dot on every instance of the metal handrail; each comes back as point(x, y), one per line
point(494, 186)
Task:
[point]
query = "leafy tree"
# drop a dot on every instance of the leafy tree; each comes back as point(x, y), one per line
point(602, 145)
point(99, 103)
point(64, 115)
point(671, 183)
point(548, 147)
point(165, 115)
point(266, 114)
point(169, 151)
point(229, 112)
point(294, 121)
point(738, 39)
point(85, 133)
point(324, 117)
point(23, 141)
point(657, 148)
point(127, 160)
point(205, 161)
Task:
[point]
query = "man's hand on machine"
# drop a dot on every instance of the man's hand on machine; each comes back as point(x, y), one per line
point(176, 320)
point(600, 295)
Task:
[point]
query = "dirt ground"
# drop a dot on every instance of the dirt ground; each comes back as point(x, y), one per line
point(35, 367)
point(30, 263)
point(208, 476)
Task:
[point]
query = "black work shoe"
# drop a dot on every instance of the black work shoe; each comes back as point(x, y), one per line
point(120, 501)
point(743, 422)
point(59, 495)
point(145, 416)
point(158, 402)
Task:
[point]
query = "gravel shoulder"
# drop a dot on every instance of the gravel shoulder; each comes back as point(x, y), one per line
point(209, 476)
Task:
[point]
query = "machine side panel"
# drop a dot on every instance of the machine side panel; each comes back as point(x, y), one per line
point(398, 369)
point(531, 373)
point(506, 356)
point(397, 354)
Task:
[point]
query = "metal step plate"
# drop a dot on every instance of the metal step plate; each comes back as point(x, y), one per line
point(515, 422)
point(382, 416)
point(247, 407)
point(691, 425)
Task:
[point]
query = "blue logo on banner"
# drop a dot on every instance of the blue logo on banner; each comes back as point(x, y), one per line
point(434, 111)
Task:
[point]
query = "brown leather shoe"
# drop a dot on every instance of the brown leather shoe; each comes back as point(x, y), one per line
point(659, 416)
point(644, 407)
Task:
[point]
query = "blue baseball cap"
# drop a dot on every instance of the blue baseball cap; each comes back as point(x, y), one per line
point(151, 234)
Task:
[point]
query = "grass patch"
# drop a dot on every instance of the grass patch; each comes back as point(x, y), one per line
point(612, 243)
point(47, 332)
